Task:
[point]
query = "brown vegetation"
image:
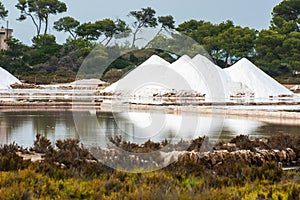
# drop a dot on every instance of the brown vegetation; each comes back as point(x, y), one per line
point(229, 171)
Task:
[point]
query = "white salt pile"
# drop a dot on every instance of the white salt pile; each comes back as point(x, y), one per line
point(199, 75)
point(262, 85)
point(134, 82)
point(217, 81)
point(7, 79)
point(191, 77)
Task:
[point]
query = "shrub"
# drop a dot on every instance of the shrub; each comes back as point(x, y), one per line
point(9, 160)
point(41, 144)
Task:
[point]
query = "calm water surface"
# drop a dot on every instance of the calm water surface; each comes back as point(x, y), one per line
point(94, 128)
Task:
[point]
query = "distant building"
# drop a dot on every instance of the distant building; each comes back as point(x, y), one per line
point(4, 34)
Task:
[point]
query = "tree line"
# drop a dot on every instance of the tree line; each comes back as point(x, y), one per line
point(276, 50)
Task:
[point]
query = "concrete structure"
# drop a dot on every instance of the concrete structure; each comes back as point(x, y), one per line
point(4, 34)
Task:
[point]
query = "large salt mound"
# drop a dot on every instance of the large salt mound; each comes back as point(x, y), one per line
point(262, 85)
point(7, 79)
point(191, 78)
point(215, 78)
point(130, 81)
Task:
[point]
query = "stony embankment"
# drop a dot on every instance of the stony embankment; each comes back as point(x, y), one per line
point(282, 149)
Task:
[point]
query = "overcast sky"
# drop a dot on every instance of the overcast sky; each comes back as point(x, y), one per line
point(252, 13)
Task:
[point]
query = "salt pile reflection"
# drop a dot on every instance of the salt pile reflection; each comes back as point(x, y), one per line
point(95, 128)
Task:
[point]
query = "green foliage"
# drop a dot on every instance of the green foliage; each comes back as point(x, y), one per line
point(88, 31)
point(222, 41)
point(42, 144)
point(286, 16)
point(167, 22)
point(67, 24)
point(9, 160)
point(45, 47)
point(28, 184)
point(276, 50)
point(123, 64)
point(70, 172)
point(278, 53)
point(144, 18)
point(113, 75)
point(39, 11)
point(3, 11)
point(236, 43)
point(15, 58)
point(80, 44)
point(111, 29)
point(43, 40)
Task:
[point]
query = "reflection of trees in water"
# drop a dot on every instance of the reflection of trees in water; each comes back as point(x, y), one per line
point(91, 126)
point(120, 125)
point(14, 119)
point(23, 125)
point(42, 122)
point(271, 129)
point(4, 130)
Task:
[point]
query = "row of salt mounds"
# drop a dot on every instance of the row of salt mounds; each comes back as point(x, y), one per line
point(156, 77)
point(204, 77)
point(7, 79)
point(263, 86)
point(199, 74)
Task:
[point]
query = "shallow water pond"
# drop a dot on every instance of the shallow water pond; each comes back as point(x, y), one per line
point(95, 128)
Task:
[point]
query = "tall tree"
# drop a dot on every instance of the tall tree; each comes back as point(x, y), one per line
point(197, 30)
point(291, 50)
point(237, 42)
point(223, 41)
point(111, 29)
point(278, 49)
point(88, 31)
point(269, 52)
point(212, 42)
point(44, 47)
point(144, 18)
point(67, 24)
point(286, 16)
point(3, 11)
point(39, 11)
point(167, 23)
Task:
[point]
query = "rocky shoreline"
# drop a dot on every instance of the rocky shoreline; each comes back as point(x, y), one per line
point(282, 149)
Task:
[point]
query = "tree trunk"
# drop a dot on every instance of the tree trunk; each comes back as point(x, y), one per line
point(226, 60)
point(109, 41)
point(134, 37)
point(46, 25)
point(72, 34)
point(35, 24)
point(160, 30)
point(39, 27)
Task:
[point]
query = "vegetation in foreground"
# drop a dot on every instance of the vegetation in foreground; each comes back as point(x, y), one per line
point(70, 172)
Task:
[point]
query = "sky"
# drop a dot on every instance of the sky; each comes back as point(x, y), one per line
point(251, 13)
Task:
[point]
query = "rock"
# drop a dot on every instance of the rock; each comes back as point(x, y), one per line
point(291, 154)
point(229, 147)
